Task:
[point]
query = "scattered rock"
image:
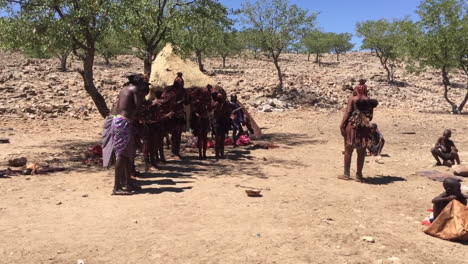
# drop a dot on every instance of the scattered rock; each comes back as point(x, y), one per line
point(18, 162)
point(368, 239)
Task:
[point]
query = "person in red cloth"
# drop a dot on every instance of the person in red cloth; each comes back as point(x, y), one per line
point(222, 118)
point(177, 122)
point(201, 108)
point(355, 129)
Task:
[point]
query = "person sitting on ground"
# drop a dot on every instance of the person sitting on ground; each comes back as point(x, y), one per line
point(376, 142)
point(452, 192)
point(445, 149)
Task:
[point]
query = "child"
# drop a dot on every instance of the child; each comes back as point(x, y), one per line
point(445, 149)
point(452, 192)
point(377, 141)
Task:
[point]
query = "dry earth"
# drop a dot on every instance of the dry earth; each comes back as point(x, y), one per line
point(198, 212)
point(194, 212)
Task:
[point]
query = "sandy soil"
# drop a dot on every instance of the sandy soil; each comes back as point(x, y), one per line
point(198, 212)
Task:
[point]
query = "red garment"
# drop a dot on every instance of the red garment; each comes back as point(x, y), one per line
point(201, 103)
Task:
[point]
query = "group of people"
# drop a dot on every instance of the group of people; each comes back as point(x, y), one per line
point(136, 122)
point(363, 136)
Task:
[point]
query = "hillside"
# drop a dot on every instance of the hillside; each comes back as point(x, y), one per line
point(35, 89)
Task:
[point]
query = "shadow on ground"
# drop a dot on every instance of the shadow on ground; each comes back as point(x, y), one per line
point(383, 180)
point(292, 139)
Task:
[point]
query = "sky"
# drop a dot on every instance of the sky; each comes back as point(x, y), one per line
point(341, 16)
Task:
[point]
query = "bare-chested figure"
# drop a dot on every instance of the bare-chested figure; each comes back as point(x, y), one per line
point(119, 133)
point(201, 108)
point(452, 192)
point(153, 120)
point(177, 122)
point(222, 117)
point(355, 128)
point(445, 149)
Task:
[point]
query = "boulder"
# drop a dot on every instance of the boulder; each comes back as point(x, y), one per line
point(460, 170)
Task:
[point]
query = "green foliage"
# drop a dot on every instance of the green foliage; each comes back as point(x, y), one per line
point(228, 45)
point(278, 26)
point(250, 39)
point(439, 40)
point(383, 38)
point(150, 24)
point(317, 42)
point(440, 36)
point(37, 38)
point(112, 44)
point(203, 29)
point(78, 25)
point(341, 43)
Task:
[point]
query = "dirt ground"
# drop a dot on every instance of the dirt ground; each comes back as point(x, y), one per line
point(198, 212)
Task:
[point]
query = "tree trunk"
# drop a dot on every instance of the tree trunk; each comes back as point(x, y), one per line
point(279, 88)
point(317, 58)
point(389, 73)
point(64, 60)
point(200, 61)
point(224, 61)
point(383, 61)
point(148, 60)
point(88, 78)
point(465, 100)
point(106, 61)
point(337, 56)
point(446, 82)
point(308, 56)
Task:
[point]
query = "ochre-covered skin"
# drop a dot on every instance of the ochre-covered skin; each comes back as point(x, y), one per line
point(356, 136)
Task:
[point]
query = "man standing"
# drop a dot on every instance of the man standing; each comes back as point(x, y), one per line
point(119, 133)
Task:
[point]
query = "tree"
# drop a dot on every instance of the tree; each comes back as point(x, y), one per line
point(228, 45)
point(439, 40)
point(341, 43)
point(251, 41)
point(204, 23)
point(22, 32)
point(317, 42)
point(112, 44)
point(84, 22)
point(150, 23)
point(279, 25)
point(383, 38)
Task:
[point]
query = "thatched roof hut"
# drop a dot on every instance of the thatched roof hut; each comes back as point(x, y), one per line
point(167, 64)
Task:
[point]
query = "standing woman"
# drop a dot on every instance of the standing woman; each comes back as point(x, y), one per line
point(222, 116)
point(355, 129)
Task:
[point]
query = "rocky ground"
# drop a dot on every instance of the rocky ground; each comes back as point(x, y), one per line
point(35, 89)
point(193, 211)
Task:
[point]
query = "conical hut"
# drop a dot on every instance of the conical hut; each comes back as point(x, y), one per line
point(167, 64)
point(165, 68)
